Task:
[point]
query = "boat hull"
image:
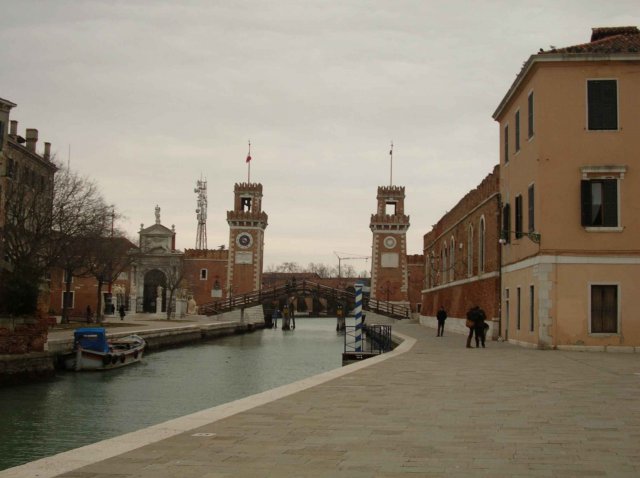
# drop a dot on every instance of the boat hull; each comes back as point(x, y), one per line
point(121, 353)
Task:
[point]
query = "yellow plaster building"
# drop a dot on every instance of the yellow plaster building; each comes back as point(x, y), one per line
point(570, 192)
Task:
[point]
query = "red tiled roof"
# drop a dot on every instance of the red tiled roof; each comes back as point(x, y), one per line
point(606, 40)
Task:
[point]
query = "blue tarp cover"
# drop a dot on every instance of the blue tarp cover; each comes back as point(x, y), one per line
point(92, 338)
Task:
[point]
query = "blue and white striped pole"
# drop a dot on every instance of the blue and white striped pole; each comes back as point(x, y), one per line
point(358, 314)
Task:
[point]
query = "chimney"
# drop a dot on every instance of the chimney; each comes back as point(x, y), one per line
point(14, 128)
point(32, 139)
point(47, 151)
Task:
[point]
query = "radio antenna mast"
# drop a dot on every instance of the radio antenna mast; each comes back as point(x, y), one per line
point(201, 213)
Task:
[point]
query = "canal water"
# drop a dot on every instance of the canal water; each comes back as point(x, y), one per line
point(77, 409)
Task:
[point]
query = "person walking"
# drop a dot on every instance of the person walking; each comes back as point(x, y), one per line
point(481, 326)
point(471, 314)
point(121, 311)
point(475, 322)
point(441, 316)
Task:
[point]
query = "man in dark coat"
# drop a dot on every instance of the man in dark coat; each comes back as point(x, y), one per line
point(441, 316)
point(478, 320)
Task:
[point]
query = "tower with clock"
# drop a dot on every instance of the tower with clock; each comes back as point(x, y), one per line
point(389, 272)
point(247, 223)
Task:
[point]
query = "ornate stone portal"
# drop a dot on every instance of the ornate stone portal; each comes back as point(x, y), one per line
point(156, 256)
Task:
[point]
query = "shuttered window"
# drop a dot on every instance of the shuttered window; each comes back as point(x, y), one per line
point(506, 223)
point(599, 198)
point(530, 114)
point(604, 309)
point(602, 96)
point(531, 209)
point(518, 217)
point(506, 144)
point(517, 138)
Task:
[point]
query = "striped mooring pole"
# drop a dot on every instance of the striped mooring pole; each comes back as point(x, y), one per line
point(358, 314)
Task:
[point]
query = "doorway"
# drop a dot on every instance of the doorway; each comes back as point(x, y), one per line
point(154, 281)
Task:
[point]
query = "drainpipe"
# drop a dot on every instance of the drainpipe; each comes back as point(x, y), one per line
point(500, 246)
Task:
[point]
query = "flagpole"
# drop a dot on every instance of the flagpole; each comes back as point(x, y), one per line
point(391, 165)
point(249, 164)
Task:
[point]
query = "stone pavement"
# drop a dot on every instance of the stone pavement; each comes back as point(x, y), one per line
point(436, 410)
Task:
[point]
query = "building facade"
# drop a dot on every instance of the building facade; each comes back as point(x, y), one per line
point(570, 187)
point(247, 223)
point(25, 174)
point(462, 259)
point(389, 267)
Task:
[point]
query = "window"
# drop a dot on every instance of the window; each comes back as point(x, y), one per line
point(203, 274)
point(518, 308)
point(452, 261)
point(390, 208)
point(470, 251)
point(65, 276)
point(245, 204)
point(506, 144)
point(517, 131)
point(68, 299)
point(531, 208)
point(599, 198)
point(604, 309)
point(481, 240)
point(602, 98)
point(518, 217)
point(530, 115)
point(444, 263)
point(531, 308)
point(506, 223)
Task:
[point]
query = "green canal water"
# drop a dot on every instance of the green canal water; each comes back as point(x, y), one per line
point(76, 409)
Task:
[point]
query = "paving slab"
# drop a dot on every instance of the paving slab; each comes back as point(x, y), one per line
point(432, 408)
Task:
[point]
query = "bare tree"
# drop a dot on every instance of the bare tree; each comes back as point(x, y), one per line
point(109, 257)
point(46, 224)
point(175, 280)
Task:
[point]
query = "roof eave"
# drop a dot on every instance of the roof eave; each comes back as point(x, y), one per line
point(554, 58)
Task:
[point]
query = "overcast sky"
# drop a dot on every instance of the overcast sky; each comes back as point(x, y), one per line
point(149, 95)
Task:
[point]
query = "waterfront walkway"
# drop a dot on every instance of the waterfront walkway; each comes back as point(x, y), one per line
point(430, 408)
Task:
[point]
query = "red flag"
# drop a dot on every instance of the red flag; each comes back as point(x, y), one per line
point(248, 158)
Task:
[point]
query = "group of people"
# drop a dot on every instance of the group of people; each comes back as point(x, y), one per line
point(288, 316)
point(476, 322)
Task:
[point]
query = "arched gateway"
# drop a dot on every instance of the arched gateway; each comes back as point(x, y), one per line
point(155, 286)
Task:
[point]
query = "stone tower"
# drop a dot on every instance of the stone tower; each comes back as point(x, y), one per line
point(389, 277)
point(247, 223)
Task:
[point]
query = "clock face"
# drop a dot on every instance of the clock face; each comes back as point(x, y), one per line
point(244, 240)
point(389, 242)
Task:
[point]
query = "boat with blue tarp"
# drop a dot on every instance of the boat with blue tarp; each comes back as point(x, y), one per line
point(93, 350)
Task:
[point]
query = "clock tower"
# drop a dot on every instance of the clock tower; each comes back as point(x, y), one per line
point(247, 223)
point(389, 273)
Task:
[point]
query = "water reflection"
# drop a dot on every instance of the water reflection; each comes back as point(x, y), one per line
point(76, 409)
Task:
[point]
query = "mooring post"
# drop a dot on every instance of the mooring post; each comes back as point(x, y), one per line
point(358, 314)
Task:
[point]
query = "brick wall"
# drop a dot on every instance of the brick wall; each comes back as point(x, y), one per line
point(22, 335)
point(461, 283)
point(215, 264)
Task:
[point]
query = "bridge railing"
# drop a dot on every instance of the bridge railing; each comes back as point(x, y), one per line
point(304, 287)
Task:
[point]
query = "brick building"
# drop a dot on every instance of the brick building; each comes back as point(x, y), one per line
point(462, 259)
point(23, 169)
point(389, 268)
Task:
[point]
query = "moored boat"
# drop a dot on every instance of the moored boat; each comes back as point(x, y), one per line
point(92, 350)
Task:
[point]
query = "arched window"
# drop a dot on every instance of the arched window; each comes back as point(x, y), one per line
point(443, 271)
point(452, 260)
point(481, 244)
point(470, 251)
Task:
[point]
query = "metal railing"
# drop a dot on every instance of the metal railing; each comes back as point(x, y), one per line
point(376, 339)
